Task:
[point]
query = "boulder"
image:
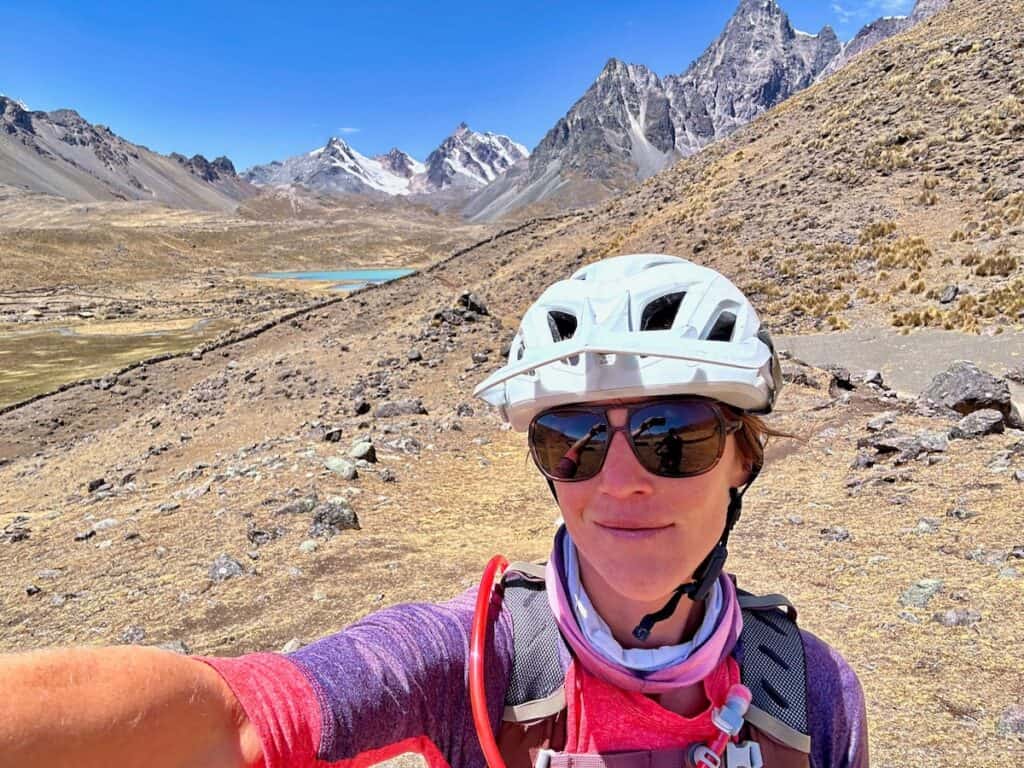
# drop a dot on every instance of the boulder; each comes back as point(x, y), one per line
point(964, 388)
point(225, 567)
point(333, 516)
point(987, 421)
point(406, 407)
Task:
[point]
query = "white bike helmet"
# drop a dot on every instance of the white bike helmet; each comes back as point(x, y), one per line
point(641, 325)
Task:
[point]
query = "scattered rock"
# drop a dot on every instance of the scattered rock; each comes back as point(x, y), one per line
point(360, 406)
point(794, 520)
point(105, 524)
point(1018, 475)
point(965, 388)
point(928, 525)
point(225, 567)
point(987, 421)
point(301, 506)
point(414, 356)
point(133, 636)
point(332, 435)
point(873, 377)
point(95, 485)
point(260, 536)
point(862, 460)
point(85, 535)
point(177, 646)
point(341, 467)
point(332, 517)
point(1011, 722)
point(961, 513)
point(32, 590)
point(949, 294)
point(920, 594)
point(881, 421)
point(473, 303)
point(841, 379)
point(464, 410)
point(292, 645)
point(479, 357)
point(1016, 375)
point(364, 451)
point(407, 407)
point(308, 546)
point(835, 533)
point(957, 617)
point(387, 476)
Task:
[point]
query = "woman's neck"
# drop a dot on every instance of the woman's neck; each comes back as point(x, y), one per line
point(622, 614)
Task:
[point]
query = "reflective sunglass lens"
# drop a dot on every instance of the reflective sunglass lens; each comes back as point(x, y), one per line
point(676, 439)
point(570, 445)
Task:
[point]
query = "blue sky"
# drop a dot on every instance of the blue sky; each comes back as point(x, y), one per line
point(260, 81)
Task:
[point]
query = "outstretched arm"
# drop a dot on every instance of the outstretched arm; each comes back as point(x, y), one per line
point(124, 706)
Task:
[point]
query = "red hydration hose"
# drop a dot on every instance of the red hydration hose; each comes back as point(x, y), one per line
point(477, 685)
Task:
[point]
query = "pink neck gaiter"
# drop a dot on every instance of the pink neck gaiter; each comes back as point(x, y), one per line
point(695, 668)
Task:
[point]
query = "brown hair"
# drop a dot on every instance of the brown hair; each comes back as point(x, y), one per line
point(752, 439)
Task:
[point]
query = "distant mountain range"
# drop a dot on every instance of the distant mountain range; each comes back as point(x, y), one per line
point(464, 162)
point(629, 125)
point(61, 153)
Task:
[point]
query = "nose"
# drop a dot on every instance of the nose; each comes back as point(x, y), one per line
point(622, 475)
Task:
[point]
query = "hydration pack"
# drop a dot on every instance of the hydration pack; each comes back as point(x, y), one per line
point(770, 653)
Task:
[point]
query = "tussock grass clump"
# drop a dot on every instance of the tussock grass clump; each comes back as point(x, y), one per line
point(876, 231)
point(904, 253)
point(1002, 264)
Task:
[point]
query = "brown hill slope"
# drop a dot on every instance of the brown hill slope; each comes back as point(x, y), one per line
point(217, 455)
point(863, 197)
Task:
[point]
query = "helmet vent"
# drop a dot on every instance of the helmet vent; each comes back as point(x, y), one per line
point(562, 325)
point(661, 312)
point(723, 328)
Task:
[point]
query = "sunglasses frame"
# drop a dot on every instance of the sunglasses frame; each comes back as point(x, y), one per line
point(726, 426)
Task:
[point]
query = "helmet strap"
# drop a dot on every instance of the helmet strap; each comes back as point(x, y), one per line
point(707, 572)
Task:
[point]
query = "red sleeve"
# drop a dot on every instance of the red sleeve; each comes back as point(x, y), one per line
point(280, 702)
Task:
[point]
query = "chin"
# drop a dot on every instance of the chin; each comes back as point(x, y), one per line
point(643, 581)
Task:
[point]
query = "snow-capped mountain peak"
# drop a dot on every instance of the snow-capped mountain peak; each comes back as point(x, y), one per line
point(470, 159)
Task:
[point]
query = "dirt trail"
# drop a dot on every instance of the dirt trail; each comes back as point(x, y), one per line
point(909, 362)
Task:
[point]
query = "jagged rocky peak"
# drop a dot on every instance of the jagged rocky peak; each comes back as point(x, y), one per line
point(399, 163)
point(469, 159)
point(207, 170)
point(873, 33)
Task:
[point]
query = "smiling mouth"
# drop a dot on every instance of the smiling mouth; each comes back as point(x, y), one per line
point(632, 529)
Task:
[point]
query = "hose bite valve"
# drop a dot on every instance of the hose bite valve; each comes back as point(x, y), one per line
point(728, 719)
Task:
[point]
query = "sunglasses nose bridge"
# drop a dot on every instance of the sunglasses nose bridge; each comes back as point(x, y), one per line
point(622, 473)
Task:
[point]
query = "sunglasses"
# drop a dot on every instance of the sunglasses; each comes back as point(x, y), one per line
point(672, 437)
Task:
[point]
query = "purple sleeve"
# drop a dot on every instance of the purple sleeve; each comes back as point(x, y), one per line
point(835, 708)
point(401, 674)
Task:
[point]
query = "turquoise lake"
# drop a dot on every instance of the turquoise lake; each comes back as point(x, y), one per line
point(347, 279)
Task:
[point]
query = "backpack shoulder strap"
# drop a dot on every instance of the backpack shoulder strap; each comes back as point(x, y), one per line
point(773, 667)
point(536, 687)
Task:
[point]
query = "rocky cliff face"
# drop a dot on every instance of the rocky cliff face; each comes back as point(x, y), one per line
point(630, 124)
point(62, 153)
point(881, 29)
point(399, 163)
point(469, 159)
point(758, 61)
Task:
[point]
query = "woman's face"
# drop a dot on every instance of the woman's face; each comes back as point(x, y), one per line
point(638, 535)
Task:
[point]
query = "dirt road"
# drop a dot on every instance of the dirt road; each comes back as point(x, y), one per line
point(908, 363)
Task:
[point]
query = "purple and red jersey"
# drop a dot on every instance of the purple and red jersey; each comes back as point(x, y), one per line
point(396, 681)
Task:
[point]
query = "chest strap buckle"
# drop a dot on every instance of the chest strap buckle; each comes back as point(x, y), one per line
point(746, 754)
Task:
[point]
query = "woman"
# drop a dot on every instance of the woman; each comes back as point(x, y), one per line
point(632, 644)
